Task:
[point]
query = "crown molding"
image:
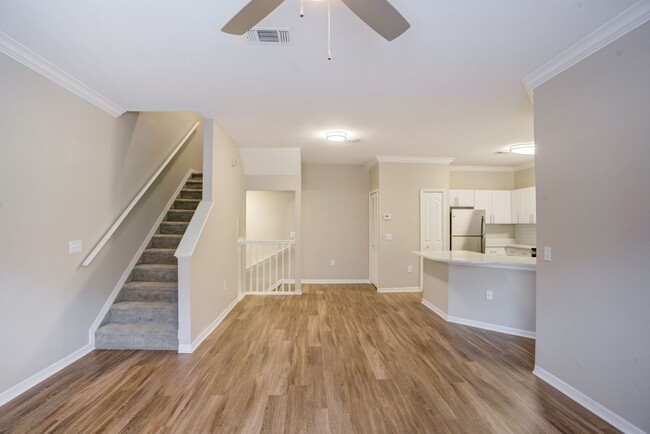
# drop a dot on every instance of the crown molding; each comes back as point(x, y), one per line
point(27, 57)
point(508, 169)
point(418, 160)
point(525, 166)
point(622, 24)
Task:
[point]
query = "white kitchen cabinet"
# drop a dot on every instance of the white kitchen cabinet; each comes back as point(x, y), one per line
point(461, 197)
point(524, 208)
point(497, 205)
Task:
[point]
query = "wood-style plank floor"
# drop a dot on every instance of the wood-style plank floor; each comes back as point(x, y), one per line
point(339, 359)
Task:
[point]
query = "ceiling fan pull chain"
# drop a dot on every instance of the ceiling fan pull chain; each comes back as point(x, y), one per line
point(302, 8)
point(329, 30)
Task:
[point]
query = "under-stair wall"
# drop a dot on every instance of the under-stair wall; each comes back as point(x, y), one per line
point(67, 171)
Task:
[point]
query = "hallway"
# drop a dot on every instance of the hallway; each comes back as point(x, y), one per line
point(339, 358)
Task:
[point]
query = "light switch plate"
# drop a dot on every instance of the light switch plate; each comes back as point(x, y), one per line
point(389, 237)
point(409, 269)
point(332, 262)
point(488, 295)
point(74, 247)
point(547, 254)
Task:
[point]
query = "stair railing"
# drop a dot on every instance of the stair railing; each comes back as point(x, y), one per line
point(107, 236)
point(267, 266)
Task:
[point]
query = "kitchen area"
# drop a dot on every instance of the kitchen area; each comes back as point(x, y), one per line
point(487, 277)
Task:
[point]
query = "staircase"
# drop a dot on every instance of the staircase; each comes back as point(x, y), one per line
point(145, 313)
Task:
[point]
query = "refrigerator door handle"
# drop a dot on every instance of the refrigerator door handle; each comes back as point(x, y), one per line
point(483, 233)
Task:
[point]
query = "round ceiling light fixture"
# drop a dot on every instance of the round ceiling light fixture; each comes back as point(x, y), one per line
point(336, 136)
point(523, 148)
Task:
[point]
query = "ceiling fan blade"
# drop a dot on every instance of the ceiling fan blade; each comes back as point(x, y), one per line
point(250, 15)
point(380, 15)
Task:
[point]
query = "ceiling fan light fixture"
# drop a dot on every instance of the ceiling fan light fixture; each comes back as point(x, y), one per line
point(523, 149)
point(336, 136)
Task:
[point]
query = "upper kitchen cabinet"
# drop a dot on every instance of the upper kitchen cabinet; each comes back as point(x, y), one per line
point(461, 197)
point(524, 206)
point(497, 205)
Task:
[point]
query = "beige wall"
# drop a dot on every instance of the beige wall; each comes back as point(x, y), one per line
point(482, 180)
point(335, 222)
point(593, 203)
point(269, 215)
point(525, 178)
point(399, 195)
point(67, 171)
point(214, 266)
point(374, 177)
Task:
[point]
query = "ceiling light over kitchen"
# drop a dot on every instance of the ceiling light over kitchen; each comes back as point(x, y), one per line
point(336, 136)
point(523, 148)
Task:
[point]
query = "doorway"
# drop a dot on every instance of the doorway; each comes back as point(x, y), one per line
point(432, 233)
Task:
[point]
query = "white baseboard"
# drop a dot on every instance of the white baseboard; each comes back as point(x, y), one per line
point(186, 349)
point(42, 375)
point(435, 309)
point(403, 289)
point(478, 324)
point(588, 403)
point(120, 283)
point(334, 281)
point(491, 327)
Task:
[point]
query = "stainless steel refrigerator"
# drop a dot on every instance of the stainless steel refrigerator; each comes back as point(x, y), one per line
point(467, 229)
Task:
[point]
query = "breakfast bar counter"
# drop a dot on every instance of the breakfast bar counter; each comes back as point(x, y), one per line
point(493, 292)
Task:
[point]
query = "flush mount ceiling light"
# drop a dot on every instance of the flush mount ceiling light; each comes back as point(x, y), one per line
point(336, 136)
point(523, 148)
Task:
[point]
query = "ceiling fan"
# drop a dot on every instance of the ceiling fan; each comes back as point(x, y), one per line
point(380, 15)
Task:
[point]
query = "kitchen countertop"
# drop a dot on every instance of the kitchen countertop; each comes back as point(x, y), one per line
point(463, 257)
point(521, 246)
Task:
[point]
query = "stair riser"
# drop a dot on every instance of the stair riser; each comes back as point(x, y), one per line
point(165, 242)
point(179, 204)
point(170, 228)
point(197, 176)
point(143, 275)
point(165, 295)
point(179, 215)
point(155, 257)
point(191, 194)
point(194, 185)
point(129, 316)
point(119, 342)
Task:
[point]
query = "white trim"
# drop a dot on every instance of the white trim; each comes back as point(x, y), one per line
point(525, 166)
point(435, 309)
point(186, 349)
point(134, 202)
point(599, 410)
point(507, 169)
point(27, 57)
point(25, 385)
point(370, 163)
point(419, 160)
point(335, 281)
point(370, 235)
point(185, 249)
point(402, 289)
point(120, 283)
point(622, 24)
point(491, 327)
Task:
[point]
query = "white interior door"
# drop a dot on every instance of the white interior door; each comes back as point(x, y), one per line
point(374, 239)
point(431, 220)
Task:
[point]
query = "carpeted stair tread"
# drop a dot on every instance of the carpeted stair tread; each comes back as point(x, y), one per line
point(177, 228)
point(155, 272)
point(179, 215)
point(186, 203)
point(138, 312)
point(150, 291)
point(166, 241)
point(191, 194)
point(151, 285)
point(157, 255)
point(144, 305)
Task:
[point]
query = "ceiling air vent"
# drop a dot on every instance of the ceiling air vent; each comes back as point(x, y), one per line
point(269, 36)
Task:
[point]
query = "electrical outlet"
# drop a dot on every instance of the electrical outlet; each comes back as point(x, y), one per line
point(547, 254)
point(292, 235)
point(488, 295)
point(409, 269)
point(332, 262)
point(74, 247)
point(389, 237)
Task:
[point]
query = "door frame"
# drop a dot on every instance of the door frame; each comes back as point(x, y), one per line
point(443, 220)
point(376, 226)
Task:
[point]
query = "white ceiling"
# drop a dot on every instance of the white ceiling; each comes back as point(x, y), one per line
point(449, 87)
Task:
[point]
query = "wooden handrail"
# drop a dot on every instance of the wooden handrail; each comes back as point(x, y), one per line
point(126, 212)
